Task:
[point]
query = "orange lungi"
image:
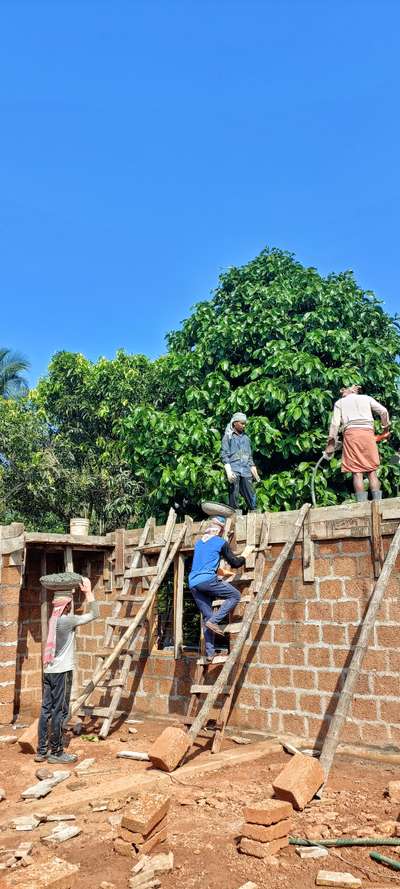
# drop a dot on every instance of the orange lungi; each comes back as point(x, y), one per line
point(360, 452)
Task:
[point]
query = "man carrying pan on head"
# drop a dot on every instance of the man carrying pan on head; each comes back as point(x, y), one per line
point(205, 585)
point(353, 413)
point(237, 457)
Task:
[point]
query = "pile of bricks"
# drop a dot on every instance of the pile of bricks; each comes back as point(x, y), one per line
point(266, 828)
point(144, 825)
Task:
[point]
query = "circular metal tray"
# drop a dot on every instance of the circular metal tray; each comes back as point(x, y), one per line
point(66, 580)
point(212, 508)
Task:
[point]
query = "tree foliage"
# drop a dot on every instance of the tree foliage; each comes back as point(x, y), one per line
point(277, 341)
point(13, 366)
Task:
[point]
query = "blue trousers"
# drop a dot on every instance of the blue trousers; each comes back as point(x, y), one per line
point(242, 485)
point(204, 594)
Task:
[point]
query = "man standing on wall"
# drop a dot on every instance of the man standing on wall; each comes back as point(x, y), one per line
point(353, 413)
point(58, 662)
point(237, 457)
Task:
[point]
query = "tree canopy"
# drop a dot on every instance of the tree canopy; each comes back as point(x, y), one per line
point(125, 438)
point(13, 366)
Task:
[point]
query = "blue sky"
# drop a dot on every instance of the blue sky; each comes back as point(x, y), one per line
point(146, 146)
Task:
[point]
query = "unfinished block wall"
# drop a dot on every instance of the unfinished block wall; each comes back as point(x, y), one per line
point(9, 612)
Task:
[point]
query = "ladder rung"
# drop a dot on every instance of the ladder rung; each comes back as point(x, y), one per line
point(104, 652)
point(149, 571)
point(189, 720)
point(205, 689)
point(233, 628)
point(120, 621)
point(127, 598)
point(103, 712)
point(111, 683)
point(218, 659)
point(243, 601)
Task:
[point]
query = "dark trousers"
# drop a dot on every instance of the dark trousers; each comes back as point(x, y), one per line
point(242, 486)
point(204, 594)
point(55, 706)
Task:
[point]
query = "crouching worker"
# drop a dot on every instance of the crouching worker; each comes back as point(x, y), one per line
point(58, 665)
point(353, 413)
point(205, 585)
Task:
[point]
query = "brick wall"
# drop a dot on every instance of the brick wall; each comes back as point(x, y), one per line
point(9, 598)
point(295, 662)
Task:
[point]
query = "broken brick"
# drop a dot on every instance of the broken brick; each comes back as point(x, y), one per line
point(145, 812)
point(153, 841)
point(267, 812)
point(169, 748)
point(138, 838)
point(299, 781)
point(262, 850)
point(57, 874)
point(332, 878)
point(124, 848)
point(266, 834)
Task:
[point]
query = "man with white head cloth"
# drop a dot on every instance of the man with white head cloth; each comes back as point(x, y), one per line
point(237, 457)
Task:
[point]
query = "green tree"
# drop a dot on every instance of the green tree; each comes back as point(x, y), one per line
point(277, 340)
point(13, 365)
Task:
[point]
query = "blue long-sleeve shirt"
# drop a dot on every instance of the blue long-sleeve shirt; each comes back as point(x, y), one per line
point(236, 450)
point(206, 559)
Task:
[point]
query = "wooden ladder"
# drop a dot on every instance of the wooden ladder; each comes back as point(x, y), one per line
point(218, 696)
point(251, 576)
point(128, 603)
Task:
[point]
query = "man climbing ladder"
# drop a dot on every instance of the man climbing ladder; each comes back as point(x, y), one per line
point(353, 413)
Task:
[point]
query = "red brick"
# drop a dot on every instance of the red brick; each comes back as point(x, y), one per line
point(165, 686)
point(365, 566)
point(248, 697)
point(315, 726)
point(293, 725)
point(10, 575)
point(285, 700)
point(265, 834)
point(318, 657)
point(393, 661)
point(124, 848)
point(319, 610)
point(280, 677)
point(341, 657)
point(330, 589)
point(356, 546)
point(284, 633)
point(393, 611)
point(327, 549)
point(390, 712)
point(7, 693)
point(303, 678)
point(293, 654)
point(333, 635)
point(9, 612)
point(299, 781)
point(9, 632)
point(262, 850)
point(155, 840)
point(8, 673)
point(266, 698)
point(364, 708)
point(386, 685)
point(311, 633)
point(345, 566)
point(378, 733)
point(388, 637)
point(328, 680)
point(6, 713)
point(9, 595)
point(267, 812)
point(256, 675)
point(293, 611)
point(346, 611)
point(168, 750)
point(268, 654)
point(310, 703)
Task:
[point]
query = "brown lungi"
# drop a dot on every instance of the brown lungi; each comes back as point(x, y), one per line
point(360, 452)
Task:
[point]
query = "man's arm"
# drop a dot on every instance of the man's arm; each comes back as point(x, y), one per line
point(382, 412)
point(76, 620)
point(229, 556)
point(333, 429)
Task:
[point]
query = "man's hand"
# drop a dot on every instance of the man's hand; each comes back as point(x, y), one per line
point(230, 474)
point(86, 588)
point(248, 550)
point(328, 453)
point(255, 474)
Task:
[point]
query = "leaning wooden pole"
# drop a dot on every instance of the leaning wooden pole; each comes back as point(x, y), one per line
point(251, 611)
point(333, 735)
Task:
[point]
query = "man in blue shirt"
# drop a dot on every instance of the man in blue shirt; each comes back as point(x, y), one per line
point(205, 585)
point(237, 457)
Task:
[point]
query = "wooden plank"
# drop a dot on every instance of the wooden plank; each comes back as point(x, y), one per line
point(251, 538)
point(346, 696)
point(188, 540)
point(92, 540)
point(119, 565)
point(179, 579)
point(241, 528)
point(150, 571)
point(376, 537)
point(205, 689)
point(308, 552)
point(68, 559)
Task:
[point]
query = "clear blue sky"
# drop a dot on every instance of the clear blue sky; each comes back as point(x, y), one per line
point(147, 145)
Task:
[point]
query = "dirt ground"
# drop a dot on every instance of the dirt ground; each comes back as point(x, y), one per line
point(205, 818)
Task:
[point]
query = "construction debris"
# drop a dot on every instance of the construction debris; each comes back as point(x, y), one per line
point(61, 833)
point(331, 878)
point(393, 791)
point(85, 765)
point(43, 774)
point(266, 828)
point(23, 849)
point(144, 873)
point(249, 885)
point(143, 825)
point(3, 794)
point(169, 748)
point(299, 781)
point(37, 791)
point(311, 851)
point(25, 822)
point(133, 754)
point(239, 740)
point(57, 874)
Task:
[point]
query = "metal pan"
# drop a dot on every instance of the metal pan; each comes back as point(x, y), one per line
point(212, 508)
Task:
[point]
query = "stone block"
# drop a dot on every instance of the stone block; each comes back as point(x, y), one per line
point(268, 811)
point(299, 781)
point(169, 749)
point(262, 850)
point(145, 812)
point(266, 834)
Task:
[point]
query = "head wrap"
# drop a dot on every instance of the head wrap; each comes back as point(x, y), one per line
point(213, 528)
point(351, 390)
point(59, 605)
point(237, 418)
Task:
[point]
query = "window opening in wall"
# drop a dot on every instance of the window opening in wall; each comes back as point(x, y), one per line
point(165, 612)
